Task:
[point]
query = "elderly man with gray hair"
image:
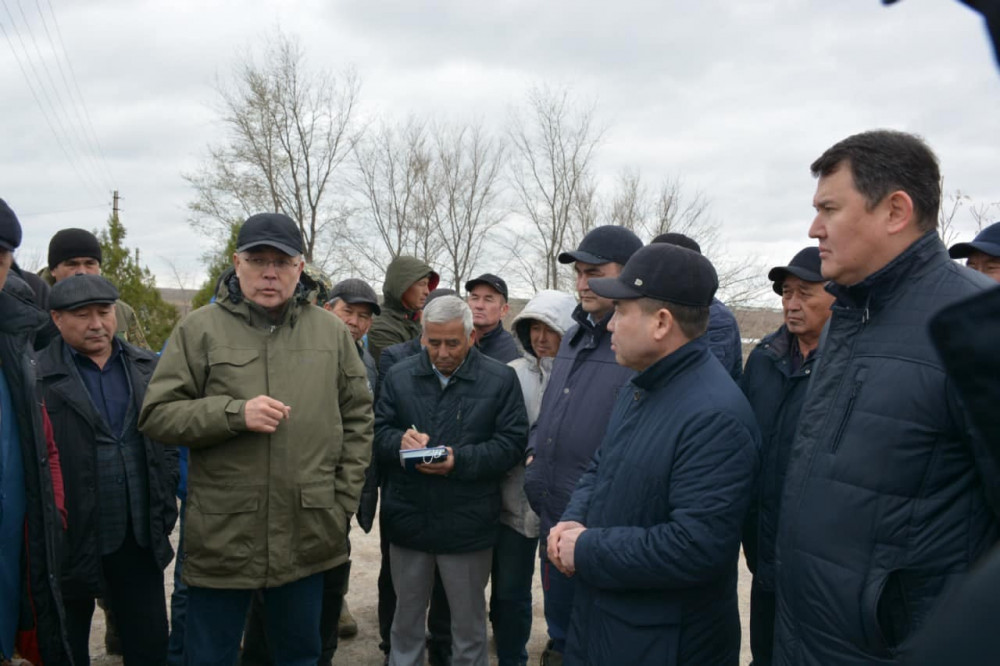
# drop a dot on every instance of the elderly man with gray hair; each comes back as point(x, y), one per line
point(469, 408)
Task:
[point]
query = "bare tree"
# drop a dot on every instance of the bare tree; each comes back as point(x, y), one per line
point(464, 188)
point(553, 147)
point(984, 214)
point(950, 206)
point(288, 131)
point(397, 193)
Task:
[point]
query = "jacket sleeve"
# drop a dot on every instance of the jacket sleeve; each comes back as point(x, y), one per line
point(750, 525)
point(175, 411)
point(389, 423)
point(355, 401)
point(493, 457)
point(710, 485)
point(579, 501)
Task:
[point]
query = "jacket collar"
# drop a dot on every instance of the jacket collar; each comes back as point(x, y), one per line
point(596, 331)
point(230, 297)
point(490, 335)
point(667, 368)
point(877, 289)
point(467, 371)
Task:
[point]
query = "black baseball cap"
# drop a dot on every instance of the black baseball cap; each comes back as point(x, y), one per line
point(10, 228)
point(355, 291)
point(602, 245)
point(805, 265)
point(681, 240)
point(663, 272)
point(271, 229)
point(986, 241)
point(490, 280)
point(79, 290)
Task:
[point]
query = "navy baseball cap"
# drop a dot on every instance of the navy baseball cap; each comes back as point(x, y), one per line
point(805, 265)
point(270, 229)
point(602, 245)
point(986, 241)
point(489, 280)
point(663, 272)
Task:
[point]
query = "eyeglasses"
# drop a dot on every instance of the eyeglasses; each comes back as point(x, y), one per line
point(261, 264)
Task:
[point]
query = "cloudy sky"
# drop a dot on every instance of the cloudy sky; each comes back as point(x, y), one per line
point(735, 98)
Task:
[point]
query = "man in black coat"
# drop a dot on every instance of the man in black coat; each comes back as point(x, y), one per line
point(119, 485)
point(891, 493)
point(652, 531)
point(32, 517)
point(775, 382)
point(487, 298)
point(446, 514)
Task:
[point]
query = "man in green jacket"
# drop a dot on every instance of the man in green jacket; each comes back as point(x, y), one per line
point(408, 280)
point(271, 397)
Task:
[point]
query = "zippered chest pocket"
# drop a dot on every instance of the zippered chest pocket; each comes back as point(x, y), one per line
point(854, 390)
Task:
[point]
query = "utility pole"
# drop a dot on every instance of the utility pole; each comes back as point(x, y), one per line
point(114, 204)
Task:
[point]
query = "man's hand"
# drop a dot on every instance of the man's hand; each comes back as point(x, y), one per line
point(444, 467)
point(413, 439)
point(552, 545)
point(264, 413)
point(567, 549)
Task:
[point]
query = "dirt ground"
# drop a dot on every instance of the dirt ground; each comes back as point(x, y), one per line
point(362, 650)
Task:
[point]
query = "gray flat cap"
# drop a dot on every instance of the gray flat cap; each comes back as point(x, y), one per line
point(79, 290)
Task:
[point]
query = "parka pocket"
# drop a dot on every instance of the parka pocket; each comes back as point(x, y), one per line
point(852, 399)
point(885, 611)
point(320, 524)
point(221, 529)
point(635, 629)
point(233, 371)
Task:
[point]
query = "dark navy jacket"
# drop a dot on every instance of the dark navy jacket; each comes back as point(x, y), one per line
point(776, 395)
point(499, 345)
point(724, 340)
point(481, 414)
point(891, 494)
point(664, 503)
point(573, 417)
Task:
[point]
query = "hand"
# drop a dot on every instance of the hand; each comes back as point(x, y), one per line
point(567, 549)
point(413, 439)
point(552, 545)
point(264, 413)
point(442, 468)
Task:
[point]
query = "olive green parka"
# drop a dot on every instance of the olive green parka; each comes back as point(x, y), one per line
point(263, 509)
point(397, 323)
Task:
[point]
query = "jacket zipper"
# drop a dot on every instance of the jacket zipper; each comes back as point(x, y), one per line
point(858, 381)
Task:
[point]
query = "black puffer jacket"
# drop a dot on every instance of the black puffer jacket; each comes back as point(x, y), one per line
point(75, 421)
point(776, 395)
point(890, 495)
point(480, 413)
point(19, 318)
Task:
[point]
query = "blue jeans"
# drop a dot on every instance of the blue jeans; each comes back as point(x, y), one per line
point(178, 604)
point(510, 601)
point(216, 617)
point(558, 591)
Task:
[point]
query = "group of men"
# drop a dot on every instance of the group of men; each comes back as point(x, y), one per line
point(616, 437)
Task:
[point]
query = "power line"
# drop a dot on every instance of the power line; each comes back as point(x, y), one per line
point(89, 125)
point(60, 111)
point(27, 79)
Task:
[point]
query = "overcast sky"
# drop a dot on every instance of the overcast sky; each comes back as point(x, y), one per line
point(736, 98)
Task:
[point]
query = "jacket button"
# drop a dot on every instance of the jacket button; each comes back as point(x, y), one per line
point(636, 395)
point(808, 370)
point(566, 391)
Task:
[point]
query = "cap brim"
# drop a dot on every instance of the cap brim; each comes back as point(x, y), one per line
point(7, 246)
point(778, 274)
point(355, 300)
point(280, 247)
point(585, 257)
point(965, 250)
point(614, 289)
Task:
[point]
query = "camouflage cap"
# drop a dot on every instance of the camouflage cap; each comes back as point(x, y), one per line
point(317, 284)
